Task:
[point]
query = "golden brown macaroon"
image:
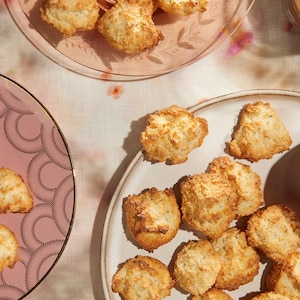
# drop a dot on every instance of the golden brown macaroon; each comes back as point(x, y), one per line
point(129, 27)
point(270, 296)
point(171, 134)
point(246, 182)
point(150, 5)
point(259, 134)
point(213, 294)
point(240, 262)
point(196, 267)
point(291, 265)
point(69, 16)
point(152, 217)
point(275, 231)
point(183, 7)
point(208, 203)
point(279, 281)
point(8, 248)
point(144, 278)
point(15, 196)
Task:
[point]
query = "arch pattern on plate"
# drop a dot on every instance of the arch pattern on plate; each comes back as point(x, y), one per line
point(33, 146)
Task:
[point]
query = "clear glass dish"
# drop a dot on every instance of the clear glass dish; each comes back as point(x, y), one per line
point(187, 39)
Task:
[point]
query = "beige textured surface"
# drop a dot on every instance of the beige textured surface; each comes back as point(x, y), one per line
point(101, 120)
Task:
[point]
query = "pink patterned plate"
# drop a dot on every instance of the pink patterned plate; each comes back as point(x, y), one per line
point(33, 146)
point(186, 40)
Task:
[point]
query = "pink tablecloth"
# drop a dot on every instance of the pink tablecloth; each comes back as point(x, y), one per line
point(102, 119)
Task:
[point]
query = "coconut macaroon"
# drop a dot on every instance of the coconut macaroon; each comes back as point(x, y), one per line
point(69, 16)
point(208, 203)
point(196, 267)
point(240, 262)
point(291, 265)
point(259, 133)
point(279, 281)
point(183, 7)
point(15, 196)
point(246, 182)
point(152, 217)
point(8, 248)
point(129, 27)
point(171, 134)
point(213, 294)
point(150, 5)
point(270, 296)
point(275, 231)
point(144, 278)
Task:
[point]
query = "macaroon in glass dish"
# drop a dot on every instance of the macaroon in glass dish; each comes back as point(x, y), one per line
point(182, 35)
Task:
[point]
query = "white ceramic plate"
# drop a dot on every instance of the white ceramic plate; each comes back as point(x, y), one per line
point(279, 176)
point(33, 146)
